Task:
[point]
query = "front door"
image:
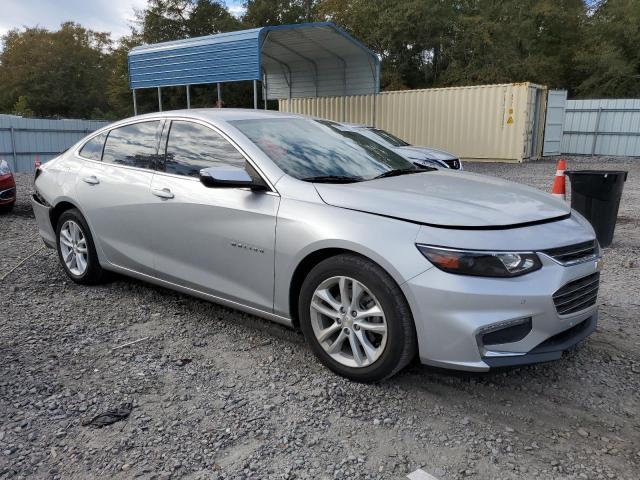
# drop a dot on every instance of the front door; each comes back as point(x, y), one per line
point(216, 240)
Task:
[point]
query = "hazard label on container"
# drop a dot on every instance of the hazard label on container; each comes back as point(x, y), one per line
point(509, 120)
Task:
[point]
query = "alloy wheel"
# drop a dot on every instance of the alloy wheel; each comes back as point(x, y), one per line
point(73, 246)
point(348, 321)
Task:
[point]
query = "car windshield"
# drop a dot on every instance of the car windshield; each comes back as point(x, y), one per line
point(389, 138)
point(319, 150)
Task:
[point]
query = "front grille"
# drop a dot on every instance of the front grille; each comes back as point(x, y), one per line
point(577, 295)
point(573, 253)
point(453, 164)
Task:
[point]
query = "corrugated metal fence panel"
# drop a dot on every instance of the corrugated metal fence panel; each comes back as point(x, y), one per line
point(602, 127)
point(476, 123)
point(554, 123)
point(37, 137)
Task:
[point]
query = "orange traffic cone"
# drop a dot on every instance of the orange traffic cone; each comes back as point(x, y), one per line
point(559, 188)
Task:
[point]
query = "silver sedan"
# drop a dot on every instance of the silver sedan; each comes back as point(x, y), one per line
point(376, 260)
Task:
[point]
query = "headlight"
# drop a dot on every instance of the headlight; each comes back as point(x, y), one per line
point(481, 263)
point(4, 167)
point(423, 162)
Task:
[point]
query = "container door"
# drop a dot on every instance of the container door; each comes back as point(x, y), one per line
point(554, 125)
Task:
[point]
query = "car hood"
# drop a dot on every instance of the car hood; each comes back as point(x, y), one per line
point(425, 152)
point(447, 199)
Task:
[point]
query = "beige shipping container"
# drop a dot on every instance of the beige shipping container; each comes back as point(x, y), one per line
point(480, 123)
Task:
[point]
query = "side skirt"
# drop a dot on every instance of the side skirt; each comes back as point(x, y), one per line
point(205, 296)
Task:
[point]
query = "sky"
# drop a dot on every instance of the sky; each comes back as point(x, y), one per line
point(113, 16)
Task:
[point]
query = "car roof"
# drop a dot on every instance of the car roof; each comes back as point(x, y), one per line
point(213, 115)
point(220, 114)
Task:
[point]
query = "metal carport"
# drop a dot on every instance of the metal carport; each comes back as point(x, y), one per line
point(291, 61)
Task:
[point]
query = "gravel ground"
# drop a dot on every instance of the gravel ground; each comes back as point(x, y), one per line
point(221, 394)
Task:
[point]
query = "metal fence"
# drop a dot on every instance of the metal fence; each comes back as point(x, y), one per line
point(602, 127)
point(23, 140)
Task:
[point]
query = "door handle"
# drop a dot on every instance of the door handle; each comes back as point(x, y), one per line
point(162, 193)
point(91, 180)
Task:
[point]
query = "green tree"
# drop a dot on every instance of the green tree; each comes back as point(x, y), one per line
point(164, 20)
point(261, 13)
point(609, 62)
point(21, 107)
point(62, 73)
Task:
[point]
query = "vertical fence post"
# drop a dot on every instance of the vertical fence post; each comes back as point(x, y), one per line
point(188, 98)
point(219, 96)
point(159, 100)
point(13, 150)
point(595, 133)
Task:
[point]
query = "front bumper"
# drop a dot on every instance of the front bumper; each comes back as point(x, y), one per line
point(551, 349)
point(43, 219)
point(453, 312)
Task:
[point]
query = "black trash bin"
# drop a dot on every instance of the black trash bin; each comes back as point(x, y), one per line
point(596, 195)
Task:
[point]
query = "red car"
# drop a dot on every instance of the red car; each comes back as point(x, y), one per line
point(7, 188)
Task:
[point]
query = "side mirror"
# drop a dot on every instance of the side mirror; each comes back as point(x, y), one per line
point(227, 177)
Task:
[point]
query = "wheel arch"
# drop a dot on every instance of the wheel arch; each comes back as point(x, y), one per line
point(310, 260)
point(56, 212)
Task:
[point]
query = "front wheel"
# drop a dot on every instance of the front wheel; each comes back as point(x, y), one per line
point(76, 249)
point(356, 319)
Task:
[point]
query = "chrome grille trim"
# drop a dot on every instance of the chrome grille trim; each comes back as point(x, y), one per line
point(577, 295)
point(572, 254)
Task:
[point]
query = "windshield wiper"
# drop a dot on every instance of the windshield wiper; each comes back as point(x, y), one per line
point(404, 171)
point(332, 179)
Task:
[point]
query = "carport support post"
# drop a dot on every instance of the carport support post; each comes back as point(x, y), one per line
point(188, 98)
point(219, 96)
point(135, 104)
point(255, 94)
point(159, 100)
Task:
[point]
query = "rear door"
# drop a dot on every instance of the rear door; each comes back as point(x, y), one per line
point(114, 193)
point(216, 240)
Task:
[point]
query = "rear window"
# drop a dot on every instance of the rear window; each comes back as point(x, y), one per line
point(134, 145)
point(93, 148)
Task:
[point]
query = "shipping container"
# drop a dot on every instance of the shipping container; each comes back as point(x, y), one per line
point(479, 123)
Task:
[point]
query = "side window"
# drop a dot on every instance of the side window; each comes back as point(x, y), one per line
point(93, 148)
point(133, 145)
point(192, 147)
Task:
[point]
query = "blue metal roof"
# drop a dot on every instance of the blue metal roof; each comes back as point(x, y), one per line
point(308, 59)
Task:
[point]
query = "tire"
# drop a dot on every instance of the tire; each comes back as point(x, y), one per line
point(91, 273)
point(386, 353)
point(7, 208)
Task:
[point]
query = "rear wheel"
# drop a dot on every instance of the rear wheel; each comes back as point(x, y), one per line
point(76, 249)
point(356, 319)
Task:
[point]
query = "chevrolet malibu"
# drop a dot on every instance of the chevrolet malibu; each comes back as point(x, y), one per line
point(376, 260)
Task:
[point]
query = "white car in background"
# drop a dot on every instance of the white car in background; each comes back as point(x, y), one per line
point(423, 156)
